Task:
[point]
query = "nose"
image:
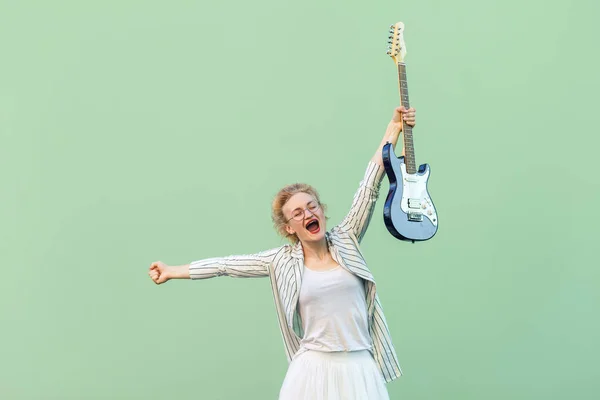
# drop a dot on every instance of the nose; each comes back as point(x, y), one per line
point(310, 213)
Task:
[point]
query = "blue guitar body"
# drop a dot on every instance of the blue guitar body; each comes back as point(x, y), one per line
point(408, 213)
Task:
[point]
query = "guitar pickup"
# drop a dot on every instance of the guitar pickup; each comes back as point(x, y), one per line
point(414, 216)
point(414, 203)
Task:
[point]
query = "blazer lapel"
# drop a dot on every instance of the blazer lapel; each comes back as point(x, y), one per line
point(358, 268)
point(293, 284)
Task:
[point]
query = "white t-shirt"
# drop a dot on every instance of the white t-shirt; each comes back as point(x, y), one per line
point(333, 310)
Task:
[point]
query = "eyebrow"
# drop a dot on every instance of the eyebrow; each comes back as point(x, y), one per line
point(299, 208)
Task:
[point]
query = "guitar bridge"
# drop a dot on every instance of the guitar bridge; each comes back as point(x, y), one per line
point(415, 216)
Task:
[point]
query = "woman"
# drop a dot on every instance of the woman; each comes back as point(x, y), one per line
point(335, 334)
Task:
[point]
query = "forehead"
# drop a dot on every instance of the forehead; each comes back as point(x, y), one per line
point(298, 200)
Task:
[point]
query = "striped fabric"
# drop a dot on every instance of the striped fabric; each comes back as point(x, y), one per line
point(284, 266)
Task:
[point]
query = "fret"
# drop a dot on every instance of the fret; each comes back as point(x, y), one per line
point(409, 152)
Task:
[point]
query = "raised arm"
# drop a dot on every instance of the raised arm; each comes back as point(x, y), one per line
point(361, 211)
point(236, 266)
point(358, 218)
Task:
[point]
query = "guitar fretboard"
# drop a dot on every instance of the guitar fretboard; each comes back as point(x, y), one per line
point(409, 151)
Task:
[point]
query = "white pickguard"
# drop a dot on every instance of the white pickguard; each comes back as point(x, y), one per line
point(414, 187)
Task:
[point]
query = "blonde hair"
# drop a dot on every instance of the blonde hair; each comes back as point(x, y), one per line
point(282, 197)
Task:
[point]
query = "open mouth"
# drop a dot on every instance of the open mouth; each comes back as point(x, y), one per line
point(313, 226)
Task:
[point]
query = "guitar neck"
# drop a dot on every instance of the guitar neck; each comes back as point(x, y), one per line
point(409, 151)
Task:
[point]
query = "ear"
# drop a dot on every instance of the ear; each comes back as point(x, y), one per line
point(289, 230)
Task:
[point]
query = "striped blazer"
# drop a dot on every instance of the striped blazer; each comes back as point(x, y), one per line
point(284, 266)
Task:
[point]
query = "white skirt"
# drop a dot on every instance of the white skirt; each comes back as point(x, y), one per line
point(317, 375)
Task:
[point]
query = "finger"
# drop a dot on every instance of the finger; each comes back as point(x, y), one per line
point(155, 266)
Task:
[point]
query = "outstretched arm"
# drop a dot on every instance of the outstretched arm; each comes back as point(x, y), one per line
point(239, 266)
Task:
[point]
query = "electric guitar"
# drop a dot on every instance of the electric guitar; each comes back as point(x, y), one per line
point(408, 213)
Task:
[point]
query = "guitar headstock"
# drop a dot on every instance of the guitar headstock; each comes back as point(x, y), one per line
point(396, 45)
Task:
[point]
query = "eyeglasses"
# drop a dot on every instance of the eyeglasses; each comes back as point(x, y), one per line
point(298, 213)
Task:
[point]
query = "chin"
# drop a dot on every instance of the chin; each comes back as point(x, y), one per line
point(316, 237)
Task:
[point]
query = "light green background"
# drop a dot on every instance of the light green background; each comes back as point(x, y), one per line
point(136, 131)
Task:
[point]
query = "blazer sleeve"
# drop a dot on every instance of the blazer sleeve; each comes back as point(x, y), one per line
point(363, 205)
point(236, 266)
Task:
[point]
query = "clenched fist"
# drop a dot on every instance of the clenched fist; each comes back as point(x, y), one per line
point(159, 272)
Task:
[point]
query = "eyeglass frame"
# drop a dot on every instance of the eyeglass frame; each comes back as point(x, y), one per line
point(304, 210)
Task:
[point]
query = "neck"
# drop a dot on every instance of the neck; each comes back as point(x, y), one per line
point(315, 250)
